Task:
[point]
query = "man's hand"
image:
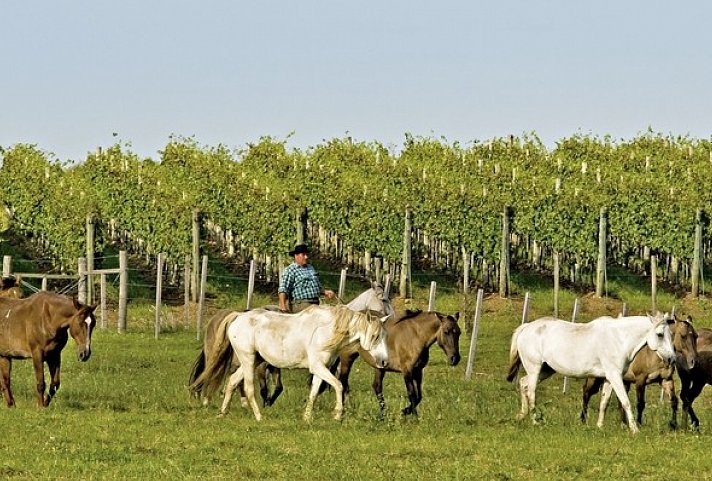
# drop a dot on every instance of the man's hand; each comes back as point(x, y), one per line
point(329, 293)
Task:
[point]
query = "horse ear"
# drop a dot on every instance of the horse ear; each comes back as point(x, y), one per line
point(456, 316)
point(384, 319)
point(77, 304)
point(689, 319)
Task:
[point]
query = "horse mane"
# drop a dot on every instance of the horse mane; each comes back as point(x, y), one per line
point(342, 319)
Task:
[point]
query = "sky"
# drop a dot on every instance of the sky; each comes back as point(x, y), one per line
point(80, 74)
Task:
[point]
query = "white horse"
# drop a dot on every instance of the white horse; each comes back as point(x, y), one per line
point(604, 347)
point(373, 299)
point(309, 339)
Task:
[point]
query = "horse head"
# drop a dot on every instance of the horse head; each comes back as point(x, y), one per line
point(449, 337)
point(659, 338)
point(81, 327)
point(372, 336)
point(684, 340)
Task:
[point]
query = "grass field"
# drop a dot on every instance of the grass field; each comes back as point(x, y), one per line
point(126, 414)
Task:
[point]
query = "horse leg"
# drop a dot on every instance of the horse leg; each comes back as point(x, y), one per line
point(415, 391)
point(591, 386)
point(38, 365)
point(248, 371)
point(346, 361)
point(412, 390)
point(276, 375)
point(640, 399)
point(5, 369)
point(53, 363)
point(616, 383)
point(688, 397)
point(261, 375)
point(528, 384)
point(668, 387)
point(377, 385)
point(322, 373)
point(232, 383)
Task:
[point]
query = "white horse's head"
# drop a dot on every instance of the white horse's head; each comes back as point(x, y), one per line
point(373, 338)
point(373, 299)
point(659, 339)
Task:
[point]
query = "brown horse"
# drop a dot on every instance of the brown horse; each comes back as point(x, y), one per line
point(10, 287)
point(39, 327)
point(409, 338)
point(647, 368)
point(263, 371)
point(692, 383)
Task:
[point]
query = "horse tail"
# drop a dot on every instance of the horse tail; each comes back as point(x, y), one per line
point(198, 368)
point(514, 360)
point(215, 370)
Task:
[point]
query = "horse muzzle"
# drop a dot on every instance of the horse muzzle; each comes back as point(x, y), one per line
point(84, 354)
point(454, 359)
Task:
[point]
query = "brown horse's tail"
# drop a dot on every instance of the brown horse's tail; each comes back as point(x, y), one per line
point(514, 360)
point(214, 372)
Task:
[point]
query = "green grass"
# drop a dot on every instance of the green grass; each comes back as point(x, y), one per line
point(126, 413)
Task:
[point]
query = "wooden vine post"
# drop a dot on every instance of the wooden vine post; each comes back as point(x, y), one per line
point(504, 258)
point(405, 285)
point(601, 263)
point(697, 256)
point(301, 225)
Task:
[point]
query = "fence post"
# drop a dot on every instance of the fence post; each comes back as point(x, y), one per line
point(473, 340)
point(251, 284)
point(573, 319)
point(201, 300)
point(697, 256)
point(431, 297)
point(525, 309)
point(159, 288)
point(90, 229)
point(601, 263)
point(82, 285)
point(102, 296)
point(504, 257)
point(123, 289)
point(6, 266)
point(186, 291)
point(342, 284)
point(406, 259)
point(654, 281)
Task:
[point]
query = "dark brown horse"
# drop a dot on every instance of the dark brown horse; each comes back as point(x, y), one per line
point(10, 287)
point(692, 383)
point(647, 368)
point(263, 371)
point(38, 327)
point(694, 380)
point(409, 338)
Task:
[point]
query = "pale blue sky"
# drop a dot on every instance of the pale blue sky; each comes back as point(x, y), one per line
point(74, 72)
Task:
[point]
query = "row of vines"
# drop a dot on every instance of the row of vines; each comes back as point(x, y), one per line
point(651, 186)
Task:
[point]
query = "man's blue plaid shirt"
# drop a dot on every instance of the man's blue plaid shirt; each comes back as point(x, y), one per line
point(300, 282)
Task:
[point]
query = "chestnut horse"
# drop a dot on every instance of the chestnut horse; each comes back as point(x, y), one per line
point(38, 327)
point(647, 368)
point(409, 339)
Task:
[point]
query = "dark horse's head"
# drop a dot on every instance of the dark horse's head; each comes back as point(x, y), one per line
point(81, 327)
point(449, 337)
